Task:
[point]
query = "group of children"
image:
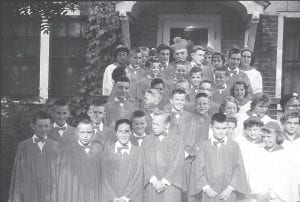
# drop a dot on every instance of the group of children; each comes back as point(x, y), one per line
point(170, 132)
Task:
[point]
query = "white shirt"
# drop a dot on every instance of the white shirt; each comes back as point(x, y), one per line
point(100, 126)
point(108, 82)
point(139, 140)
point(255, 79)
point(87, 150)
point(213, 139)
point(61, 132)
point(40, 144)
point(118, 144)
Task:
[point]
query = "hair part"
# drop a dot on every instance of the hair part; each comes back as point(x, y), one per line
point(218, 117)
point(122, 121)
point(40, 115)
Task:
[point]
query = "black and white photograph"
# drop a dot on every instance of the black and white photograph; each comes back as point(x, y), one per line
point(150, 101)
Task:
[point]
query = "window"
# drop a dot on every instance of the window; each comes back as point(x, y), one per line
point(68, 49)
point(20, 57)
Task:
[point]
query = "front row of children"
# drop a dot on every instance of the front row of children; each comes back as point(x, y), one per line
point(94, 165)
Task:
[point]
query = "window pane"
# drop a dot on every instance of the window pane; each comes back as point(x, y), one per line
point(74, 29)
point(58, 46)
point(59, 28)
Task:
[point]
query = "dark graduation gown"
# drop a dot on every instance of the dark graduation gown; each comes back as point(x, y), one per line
point(122, 176)
point(105, 137)
point(69, 136)
point(164, 159)
point(219, 96)
point(80, 174)
point(115, 111)
point(202, 127)
point(34, 172)
point(218, 168)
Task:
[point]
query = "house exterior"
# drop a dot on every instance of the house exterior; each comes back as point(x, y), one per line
point(46, 65)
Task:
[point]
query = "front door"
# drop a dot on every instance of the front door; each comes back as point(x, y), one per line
point(200, 29)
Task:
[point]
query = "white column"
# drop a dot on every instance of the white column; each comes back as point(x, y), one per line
point(279, 56)
point(44, 65)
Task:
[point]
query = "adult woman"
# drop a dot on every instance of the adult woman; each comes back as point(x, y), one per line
point(247, 61)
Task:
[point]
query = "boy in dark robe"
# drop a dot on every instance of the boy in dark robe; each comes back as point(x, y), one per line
point(139, 125)
point(218, 172)
point(164, 90)
point(120, 106)
point(122, 168)
point(163, 162)
point(103, 134)
point(195, 79)
point(222, 89)
point(79, 170)
point(34, 172)
point(62, 132)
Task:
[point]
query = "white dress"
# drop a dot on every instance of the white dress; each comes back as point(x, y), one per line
point(255, 80)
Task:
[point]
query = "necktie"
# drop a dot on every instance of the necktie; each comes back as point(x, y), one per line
point(62, 128)
point(234, 72)
point(122, 148)
point(219, 142)
point(97, 128)
point(37, 140)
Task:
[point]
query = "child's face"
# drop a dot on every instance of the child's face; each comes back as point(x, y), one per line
point(122, 57)
point(291, 125)
point(253, 132)
point(198, 56)
point(219, 130)
point(205, 88)
point(154, 68)
point(196, 79)
point(123, 133)
point(178, 101)
point(269, 138)
point(234, 61)
point(159, 87)
point(159, 125)
point(85, 133)
point(207, 59)
point(293, 104)
point(136, 59)
point(230, 128)
point(231, 109)
point(239, 91)
point(184, 86)
point(217, 61)
point(220, 78)
point(41, 127)
point(180, 55)
point(61, 114)
point(139, 125)
point(122, 89)
point(149, 101)
point(96, 114)
point(164, 56)
point(202, 105)
point(261, 109)
point(145, 57)
point(181, 71)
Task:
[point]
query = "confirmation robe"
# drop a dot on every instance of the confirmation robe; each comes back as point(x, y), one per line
point(34, 172)
point(104, 136)
point(79, 173)
point(218, 168)
point(122, 174)
point(68, 137)
point(164, 159)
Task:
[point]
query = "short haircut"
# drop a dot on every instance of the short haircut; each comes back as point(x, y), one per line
point(122, 79)
point(195, 48)
point(150, 61)
point(222, 69)
point(144, 49)
point(84, 121)
point(97, 103)
point(182, 81)
point(259, 97)
point(215, 54)
point(163, 113)
point(239, 83)
point(40, 115)
point(290, 114)
point(61, 103)
point(250, 123)
point(279, 136)
point(232, 120)
point(229, 99)
point(286, 98)
point(121, 121)
point(138, 114)
point(135, 51)
point(154, 93)
point(156, 81)
point(233, 51)
point(196, 70)
point(178, 91)
point(201, 95)
point(119, 71)
point(163, 47)
point(206, 81)
point(218, 117)
point(252, 56)
point(120, 49)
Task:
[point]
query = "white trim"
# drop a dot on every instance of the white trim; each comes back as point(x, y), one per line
point(44, 65)
point(124, 6)
point(252, 7)
point(281, 15)
point(211, 22)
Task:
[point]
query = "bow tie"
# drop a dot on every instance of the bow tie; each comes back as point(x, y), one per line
point(37, 140)
point(178, 113)
point(62, 128)
point(221, 88)
point(163, 65)
point(122, 148)
point(234, 72)
point(219, 142)
point(139, 137)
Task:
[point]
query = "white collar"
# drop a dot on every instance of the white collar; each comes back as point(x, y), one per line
point(100, 126)
point(213, 139)
point(118, 144)
point(135, 135)
point(165, 65)
point(57, 126)
point(237, 70)
point(195, 64)
point(35, 136)
point(83, 144)
point(132, 68)
point(174, 110)
point(117, 100)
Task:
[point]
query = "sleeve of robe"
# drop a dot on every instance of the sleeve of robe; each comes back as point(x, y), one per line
point(239, 180)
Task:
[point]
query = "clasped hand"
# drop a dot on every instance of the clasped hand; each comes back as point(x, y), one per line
point(159, 186)
point(223, 196)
